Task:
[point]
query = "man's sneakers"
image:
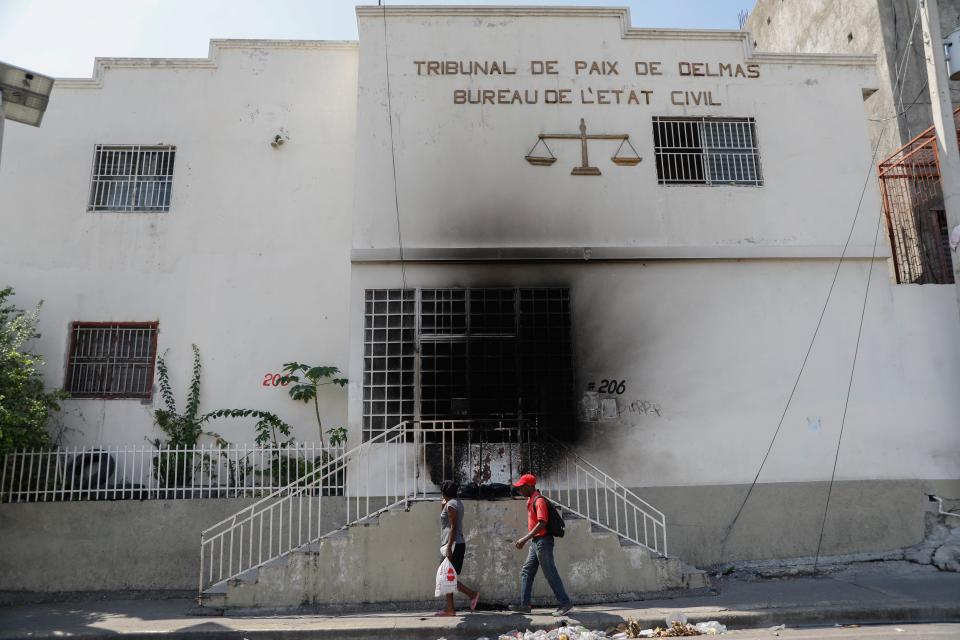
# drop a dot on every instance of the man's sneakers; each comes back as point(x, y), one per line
point(521, 608)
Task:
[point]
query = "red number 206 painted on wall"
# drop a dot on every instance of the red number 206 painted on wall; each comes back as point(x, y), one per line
point(273, 380)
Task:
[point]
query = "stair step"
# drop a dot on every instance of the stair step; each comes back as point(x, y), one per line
point(346, 541)
point(250, 575)
point(342, 532)
point(257, 589)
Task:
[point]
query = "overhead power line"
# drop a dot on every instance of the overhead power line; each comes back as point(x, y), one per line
point(393, 152)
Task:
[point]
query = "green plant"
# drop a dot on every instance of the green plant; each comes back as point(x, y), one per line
point(25, 406)
point(306, 381)
point(183, 430)
point(338, 435)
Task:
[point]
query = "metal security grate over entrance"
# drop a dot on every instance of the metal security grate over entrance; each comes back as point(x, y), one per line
point(435, 354)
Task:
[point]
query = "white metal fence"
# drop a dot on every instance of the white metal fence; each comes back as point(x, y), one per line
point(148, 472)
point(407, 462)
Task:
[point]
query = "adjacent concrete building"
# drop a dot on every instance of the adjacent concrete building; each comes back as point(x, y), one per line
point(536, 215)
point(887, 28)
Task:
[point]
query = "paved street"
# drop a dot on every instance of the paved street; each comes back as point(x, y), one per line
point(891, 593)
point(912, 631)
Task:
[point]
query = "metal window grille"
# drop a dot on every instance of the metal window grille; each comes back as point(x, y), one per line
point(111, 359)
point(389, 359)
point(913, 208)
point(711, 151)
point(131, 178)
point(468, 353)
point(443, 312)
point(546, 357)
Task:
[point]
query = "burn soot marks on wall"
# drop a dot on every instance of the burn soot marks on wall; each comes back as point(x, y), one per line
point(487, 372)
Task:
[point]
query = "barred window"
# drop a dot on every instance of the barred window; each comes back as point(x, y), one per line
point(131, 178)
point(111, 359)
point(389, 359)
point(712, 151)
point(441, 354)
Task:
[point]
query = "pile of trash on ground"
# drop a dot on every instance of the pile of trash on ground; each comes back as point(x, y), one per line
point(676, 626)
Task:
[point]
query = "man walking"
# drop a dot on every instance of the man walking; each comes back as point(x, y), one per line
point(541, 549)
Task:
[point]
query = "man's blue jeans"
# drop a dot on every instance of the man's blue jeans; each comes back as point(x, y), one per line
point(541, 555)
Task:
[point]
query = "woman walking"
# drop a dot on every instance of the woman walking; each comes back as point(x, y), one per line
point(452, 544)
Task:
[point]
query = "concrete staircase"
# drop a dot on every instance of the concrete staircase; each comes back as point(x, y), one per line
point(391, 560)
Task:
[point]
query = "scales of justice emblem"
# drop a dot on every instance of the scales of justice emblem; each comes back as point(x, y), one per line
point(584, 169)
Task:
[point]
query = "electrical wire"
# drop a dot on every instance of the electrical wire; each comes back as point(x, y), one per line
point(901, 67)
point(906, 110)
point(813, 340)
point(393, 152)
point(900, 79)
point(846, 403)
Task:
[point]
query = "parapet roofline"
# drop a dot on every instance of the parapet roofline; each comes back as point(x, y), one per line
point(622, 13)
point(100, 65)
point(627, 31)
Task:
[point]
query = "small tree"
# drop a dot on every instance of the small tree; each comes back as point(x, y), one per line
point(307, 380)
point(25, 406)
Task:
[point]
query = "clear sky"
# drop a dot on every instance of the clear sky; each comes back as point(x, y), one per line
point(62, 37)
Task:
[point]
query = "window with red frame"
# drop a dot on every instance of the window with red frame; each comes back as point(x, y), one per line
point(111, 359)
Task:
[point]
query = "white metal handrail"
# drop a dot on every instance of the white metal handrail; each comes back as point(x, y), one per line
point(579, 487)
point(408, 462)
point(140, 472)
point(564, 476)
point(293, 516)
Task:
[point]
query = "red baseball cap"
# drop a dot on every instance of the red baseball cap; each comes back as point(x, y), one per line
point(527, 479)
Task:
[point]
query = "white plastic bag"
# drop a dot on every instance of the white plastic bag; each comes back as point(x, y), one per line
point(676, 616)
point(446, 579)
point(711, 628)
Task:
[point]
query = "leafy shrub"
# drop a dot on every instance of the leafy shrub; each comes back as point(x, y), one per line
point(25, 406)
point(183, 429)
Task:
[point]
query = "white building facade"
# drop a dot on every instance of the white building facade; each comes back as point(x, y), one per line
point(627, 235)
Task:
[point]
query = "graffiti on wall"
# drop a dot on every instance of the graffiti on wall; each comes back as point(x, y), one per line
point(604, 402)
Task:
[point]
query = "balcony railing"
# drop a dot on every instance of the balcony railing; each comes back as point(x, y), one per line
point(914, 211)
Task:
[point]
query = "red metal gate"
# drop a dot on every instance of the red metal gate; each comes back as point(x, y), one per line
point(913, 205)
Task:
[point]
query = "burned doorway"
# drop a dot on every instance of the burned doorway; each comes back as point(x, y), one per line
point(474, 354)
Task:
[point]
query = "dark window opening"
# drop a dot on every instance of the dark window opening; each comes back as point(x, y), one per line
point(483, 354)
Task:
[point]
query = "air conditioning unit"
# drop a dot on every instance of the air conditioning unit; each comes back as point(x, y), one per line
point(952, 44)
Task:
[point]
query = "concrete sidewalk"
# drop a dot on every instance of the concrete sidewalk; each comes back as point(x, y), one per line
point(875, 592)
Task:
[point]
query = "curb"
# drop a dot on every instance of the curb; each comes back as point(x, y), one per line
point(472, 628)
point(492, 605)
